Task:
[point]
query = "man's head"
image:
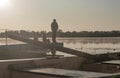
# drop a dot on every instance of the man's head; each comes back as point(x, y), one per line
point(54, 20)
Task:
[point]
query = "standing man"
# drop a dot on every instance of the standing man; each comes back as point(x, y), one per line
point(54, 28)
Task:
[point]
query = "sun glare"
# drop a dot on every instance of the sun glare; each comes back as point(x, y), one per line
point(4, 3)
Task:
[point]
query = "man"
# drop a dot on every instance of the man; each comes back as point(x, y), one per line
point(54, 28)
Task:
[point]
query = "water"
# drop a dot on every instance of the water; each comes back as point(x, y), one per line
point(92, 45)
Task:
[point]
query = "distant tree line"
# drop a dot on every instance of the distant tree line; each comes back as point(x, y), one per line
point(60, 33)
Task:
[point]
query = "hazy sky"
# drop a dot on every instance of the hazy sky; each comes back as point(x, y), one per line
point(71, 15)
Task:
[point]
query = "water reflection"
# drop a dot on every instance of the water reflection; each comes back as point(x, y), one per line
point(93, 45)
point(89, 40)
point(89, 44)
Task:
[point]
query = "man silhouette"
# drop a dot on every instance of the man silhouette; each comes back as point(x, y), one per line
point(54, 28)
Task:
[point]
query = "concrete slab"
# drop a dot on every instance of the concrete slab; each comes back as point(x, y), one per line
point(63, 72)
point(112, 62)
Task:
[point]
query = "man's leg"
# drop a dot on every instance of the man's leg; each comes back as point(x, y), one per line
point(54, 37)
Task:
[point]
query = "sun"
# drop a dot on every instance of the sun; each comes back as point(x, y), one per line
point(4, 3)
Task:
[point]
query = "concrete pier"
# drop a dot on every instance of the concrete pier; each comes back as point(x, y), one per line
point(71, 63)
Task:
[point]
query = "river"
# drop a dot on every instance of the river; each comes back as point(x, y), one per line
point(92, 45)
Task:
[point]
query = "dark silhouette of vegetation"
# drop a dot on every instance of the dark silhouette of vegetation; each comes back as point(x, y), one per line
point(60, 33)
